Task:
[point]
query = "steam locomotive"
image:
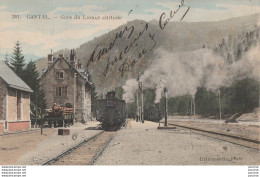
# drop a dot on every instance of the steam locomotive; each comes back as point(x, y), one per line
point(111, 111)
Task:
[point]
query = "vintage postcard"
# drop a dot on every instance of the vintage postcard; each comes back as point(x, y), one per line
point(129, 82)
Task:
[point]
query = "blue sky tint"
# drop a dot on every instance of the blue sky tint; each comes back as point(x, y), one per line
point(38, 36)
point(42, 6)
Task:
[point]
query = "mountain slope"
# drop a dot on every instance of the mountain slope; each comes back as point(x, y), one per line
point(177, 36)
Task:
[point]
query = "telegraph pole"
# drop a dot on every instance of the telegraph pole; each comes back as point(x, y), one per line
point(142, 93)
point(140, 84)
point(165, 97)
point(194, 106)
point(191, 106)
point(36, 115)
point(137, 101)
point(219, 104)
point(137, 107)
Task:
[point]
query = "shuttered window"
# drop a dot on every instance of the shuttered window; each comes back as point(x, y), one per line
point(65, 91)
point(62, 91)
point(61, 75)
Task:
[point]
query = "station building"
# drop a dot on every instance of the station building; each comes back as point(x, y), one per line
point(14, 101)
point(65, 82)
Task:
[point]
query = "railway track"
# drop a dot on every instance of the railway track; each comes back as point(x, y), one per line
point(86, 152)
point(234, 139)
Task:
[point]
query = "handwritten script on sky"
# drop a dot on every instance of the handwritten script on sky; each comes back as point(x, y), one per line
point(128, 31)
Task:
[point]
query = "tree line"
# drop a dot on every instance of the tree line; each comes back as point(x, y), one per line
point(29, 74)
point(241, 97)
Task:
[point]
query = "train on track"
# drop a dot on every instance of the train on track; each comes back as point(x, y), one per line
point(153, 113)
point(111, 112)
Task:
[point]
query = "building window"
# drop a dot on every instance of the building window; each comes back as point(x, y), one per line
point(19, 105)
point(65, 91)
point(61, 75)
point(61, 91)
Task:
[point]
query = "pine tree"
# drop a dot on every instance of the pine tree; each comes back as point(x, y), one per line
point(17, 61)
point(31, 78)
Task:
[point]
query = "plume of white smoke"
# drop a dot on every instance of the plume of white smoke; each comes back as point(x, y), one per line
point(181, 73)
point(130, 89)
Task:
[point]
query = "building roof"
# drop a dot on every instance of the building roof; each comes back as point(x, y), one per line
point(83, 75)
point(12, 80)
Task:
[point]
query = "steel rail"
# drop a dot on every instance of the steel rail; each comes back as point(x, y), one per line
point(234, 137)
point(101, 150)
point(49, 162)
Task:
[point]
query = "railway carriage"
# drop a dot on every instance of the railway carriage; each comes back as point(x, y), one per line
point(153, 113)
point(60, 116)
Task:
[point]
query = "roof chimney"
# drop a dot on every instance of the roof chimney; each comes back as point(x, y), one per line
point(79, 64)
point(50, 59)
point(73, 58)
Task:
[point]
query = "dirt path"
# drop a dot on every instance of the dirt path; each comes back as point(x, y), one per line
point(35, 149)
point(13, 146)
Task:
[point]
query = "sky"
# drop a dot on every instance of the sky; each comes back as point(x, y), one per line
point(39, 36)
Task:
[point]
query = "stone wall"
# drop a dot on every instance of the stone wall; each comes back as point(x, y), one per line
point(51, 80)
point(88, 103)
